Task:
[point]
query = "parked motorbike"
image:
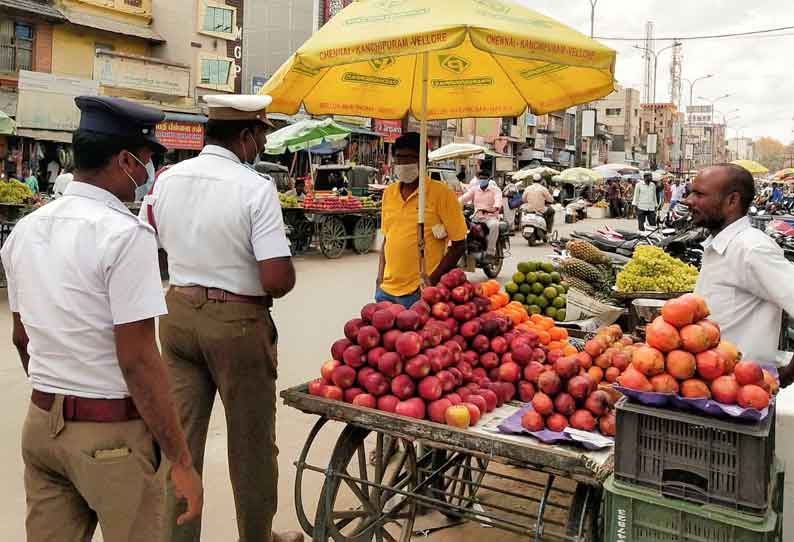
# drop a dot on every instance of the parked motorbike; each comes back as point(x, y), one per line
point(477, 245)
point(684, 245)
point(678, 217)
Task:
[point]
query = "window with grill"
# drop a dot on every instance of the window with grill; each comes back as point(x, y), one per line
point(218, 20)
point(215, 71)
point(613, 112)
point(134, 3)
point(16, 46)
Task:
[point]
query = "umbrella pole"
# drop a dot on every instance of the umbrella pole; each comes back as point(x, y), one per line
point(420, 232)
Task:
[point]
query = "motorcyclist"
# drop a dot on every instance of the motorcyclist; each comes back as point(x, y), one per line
point(487, 199)
point(538, 199)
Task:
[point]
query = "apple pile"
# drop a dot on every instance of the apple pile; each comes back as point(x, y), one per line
point(566, 393)
point(684, 354)
point(448, 358)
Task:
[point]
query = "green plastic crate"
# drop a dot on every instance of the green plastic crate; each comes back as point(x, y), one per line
point(632, 514)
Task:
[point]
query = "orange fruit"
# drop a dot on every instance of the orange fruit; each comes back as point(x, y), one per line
point(558, 333)
point(544, 337)
point(569, 350)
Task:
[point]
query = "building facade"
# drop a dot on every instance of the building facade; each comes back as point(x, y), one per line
point(740, 148)
point(273, 31)
point(659, 119)
point(620, 114)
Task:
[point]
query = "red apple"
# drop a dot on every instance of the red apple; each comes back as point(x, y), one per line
point(355, 356)
point(365, 400)
point(413, 408)
point(352, 327)
point(388, 403)
point(368, 337)
point(338, 348)
point(351, 393)
point(408, 344)
point(362, 375)
point(334, 393)
point(430, 388)
point(328, 369)
point(474, 413)
point(373, 356)
point(403, 386)
point(376, 384)
point(390, 364)
point(509, 372)
point(418, 366)
point(437, 409)
point(316, 387)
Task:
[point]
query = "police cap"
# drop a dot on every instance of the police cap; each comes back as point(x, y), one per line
point(121, 118)
point(238, 107)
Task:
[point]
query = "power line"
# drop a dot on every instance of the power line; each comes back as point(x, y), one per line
point(704, 37)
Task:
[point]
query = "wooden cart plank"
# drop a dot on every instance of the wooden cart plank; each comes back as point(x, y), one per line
point(560, 460)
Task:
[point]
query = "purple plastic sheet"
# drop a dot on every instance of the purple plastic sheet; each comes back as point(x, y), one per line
point(512, 425)
point(706, 406)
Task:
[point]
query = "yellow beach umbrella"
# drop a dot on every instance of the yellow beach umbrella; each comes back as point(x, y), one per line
point(441, 59)
point(752, 166)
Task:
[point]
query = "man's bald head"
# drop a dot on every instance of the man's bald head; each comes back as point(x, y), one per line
point(721, 195)
point(735, 179)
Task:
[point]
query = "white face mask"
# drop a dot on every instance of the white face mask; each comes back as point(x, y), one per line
point(256, 158)
point(149, 167)
point(407, 173)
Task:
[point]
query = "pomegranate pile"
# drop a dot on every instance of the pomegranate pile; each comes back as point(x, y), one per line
point(450, 358)
point(683, 354)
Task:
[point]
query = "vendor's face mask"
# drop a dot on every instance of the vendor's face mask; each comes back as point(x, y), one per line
point(484, 183)
point(407, 173)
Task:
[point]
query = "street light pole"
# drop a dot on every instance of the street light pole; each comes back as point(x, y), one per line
point(686, 118)
point(592, 17)
point(712, 102)
point(655, 66)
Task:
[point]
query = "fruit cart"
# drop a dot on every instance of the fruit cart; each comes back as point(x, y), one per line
point(387, 469)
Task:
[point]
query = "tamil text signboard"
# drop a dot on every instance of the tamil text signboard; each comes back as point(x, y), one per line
point(46, 101)
point(176, 134)
point(142, 74)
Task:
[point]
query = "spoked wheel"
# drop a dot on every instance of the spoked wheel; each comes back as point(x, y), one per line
point(312, 480)
point(363, 234)
point(457, 479)
point(360, 502)
point(493, 268)
point(333, 237)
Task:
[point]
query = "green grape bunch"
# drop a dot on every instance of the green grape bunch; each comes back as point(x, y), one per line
point(653, 270)
point(14, 192)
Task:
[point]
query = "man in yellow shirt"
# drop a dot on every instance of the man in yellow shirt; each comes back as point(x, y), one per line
point(399, 279)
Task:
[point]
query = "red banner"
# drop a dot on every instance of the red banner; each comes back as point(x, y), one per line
point(176, 134)
point(390, 130)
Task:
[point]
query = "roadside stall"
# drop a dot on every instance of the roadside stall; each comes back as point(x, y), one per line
point(475, 63)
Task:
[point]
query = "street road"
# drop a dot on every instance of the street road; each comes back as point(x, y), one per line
point(328, 293)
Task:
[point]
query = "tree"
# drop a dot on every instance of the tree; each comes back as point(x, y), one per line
point(770, 152)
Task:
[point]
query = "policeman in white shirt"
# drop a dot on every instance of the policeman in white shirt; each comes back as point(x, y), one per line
point(228, 258)
point(84, 290)
point(745, 279)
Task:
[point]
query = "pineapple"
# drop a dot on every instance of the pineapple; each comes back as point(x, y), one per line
point(586, 251)
point(582, 270)
point(579, 284)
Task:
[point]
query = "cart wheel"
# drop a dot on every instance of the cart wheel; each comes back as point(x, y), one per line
point(457, 479)
point(332, 237)
point(363, 234)
point(583, 524)
point(300, 465)
point(359, 502)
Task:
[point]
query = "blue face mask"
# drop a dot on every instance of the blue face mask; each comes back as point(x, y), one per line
point(484, 183)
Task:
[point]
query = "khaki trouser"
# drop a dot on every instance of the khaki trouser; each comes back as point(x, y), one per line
point(229, 348)
point(69, 489)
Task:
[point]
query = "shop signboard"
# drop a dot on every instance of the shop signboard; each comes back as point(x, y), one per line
point(143, 74)
point(46, 101)
point(175, 134)
point(390, 130)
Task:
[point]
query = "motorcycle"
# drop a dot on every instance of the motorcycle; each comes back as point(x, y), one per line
point(678, 217)
point(684, 245)
point(533, 227)
point(477, 245)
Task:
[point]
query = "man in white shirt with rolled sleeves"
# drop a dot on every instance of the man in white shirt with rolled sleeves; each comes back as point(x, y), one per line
point(745, 278)
point(228, 258)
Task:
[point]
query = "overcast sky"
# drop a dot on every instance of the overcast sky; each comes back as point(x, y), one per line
point(757, 71)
